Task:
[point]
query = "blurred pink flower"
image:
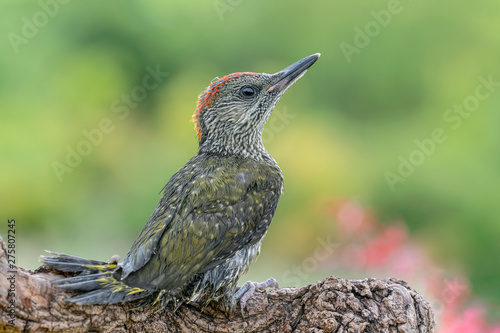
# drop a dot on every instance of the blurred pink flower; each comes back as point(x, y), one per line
point(368, 245)
point(351, 218)
point(379, 250)
point(470, 321)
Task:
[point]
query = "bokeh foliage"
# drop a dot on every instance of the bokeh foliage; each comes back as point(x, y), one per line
point(336, 132)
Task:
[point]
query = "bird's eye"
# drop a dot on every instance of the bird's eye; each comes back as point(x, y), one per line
point(248, 92)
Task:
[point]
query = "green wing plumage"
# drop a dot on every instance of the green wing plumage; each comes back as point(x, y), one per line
point(210, 209)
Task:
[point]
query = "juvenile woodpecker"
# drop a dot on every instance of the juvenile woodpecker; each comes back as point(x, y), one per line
point(213, 214)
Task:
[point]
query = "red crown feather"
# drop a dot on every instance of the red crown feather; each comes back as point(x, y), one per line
point(207, 97)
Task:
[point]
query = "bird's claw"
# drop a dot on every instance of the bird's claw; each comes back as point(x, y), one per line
point(246, 291)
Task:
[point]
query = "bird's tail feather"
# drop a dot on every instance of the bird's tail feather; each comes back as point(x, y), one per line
point(95, 279)
point(66, 263)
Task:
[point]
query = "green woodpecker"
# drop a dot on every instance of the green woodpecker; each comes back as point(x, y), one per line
point(214, 212)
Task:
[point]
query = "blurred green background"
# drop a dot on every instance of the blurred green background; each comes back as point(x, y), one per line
point(388, 75)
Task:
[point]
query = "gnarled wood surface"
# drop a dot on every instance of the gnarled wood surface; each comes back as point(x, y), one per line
point(330, 305)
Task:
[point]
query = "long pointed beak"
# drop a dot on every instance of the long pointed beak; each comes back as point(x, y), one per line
point(293, 72)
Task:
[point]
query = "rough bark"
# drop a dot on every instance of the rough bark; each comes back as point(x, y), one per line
point(330, 305)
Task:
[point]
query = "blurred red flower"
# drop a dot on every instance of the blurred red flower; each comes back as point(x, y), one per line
point(374, 248)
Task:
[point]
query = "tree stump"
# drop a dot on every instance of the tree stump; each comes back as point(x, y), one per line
point(30, 303)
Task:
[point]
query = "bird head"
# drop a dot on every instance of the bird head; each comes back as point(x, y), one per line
point(233, 110)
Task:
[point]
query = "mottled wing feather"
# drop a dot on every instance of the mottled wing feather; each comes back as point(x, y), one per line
point(224, 205)
point(258, 219)
point(146, 243)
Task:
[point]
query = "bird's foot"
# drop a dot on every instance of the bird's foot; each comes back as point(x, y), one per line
point(246, 291)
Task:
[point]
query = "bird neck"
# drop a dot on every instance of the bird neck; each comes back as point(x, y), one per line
point(245, 145)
